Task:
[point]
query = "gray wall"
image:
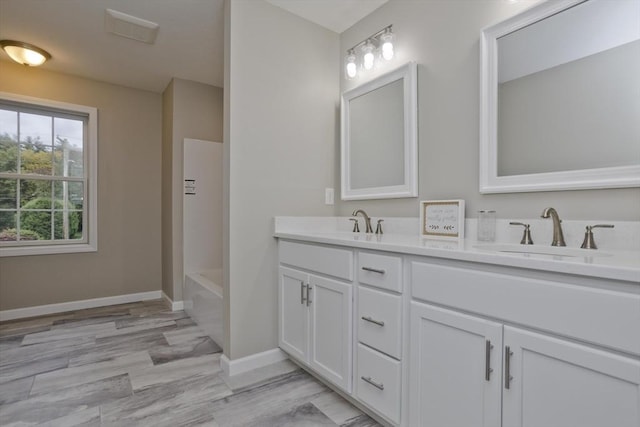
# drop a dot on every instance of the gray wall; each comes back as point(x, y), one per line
point(281, 104)
point(128, 257)
point(190, 110)
point(443, 38)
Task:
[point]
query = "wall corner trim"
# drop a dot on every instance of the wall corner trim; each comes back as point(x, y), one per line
point(175, 305)
point(254, 361)
point(41, 310)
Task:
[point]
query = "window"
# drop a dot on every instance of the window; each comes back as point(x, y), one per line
point(48, 170)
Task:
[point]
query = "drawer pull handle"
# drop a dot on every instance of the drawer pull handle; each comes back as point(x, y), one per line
point(308, 297)
point(379, 386)
point(376, 322)
point(302, 293)
point(373, 270)
point(487, 361)
point(507, 367)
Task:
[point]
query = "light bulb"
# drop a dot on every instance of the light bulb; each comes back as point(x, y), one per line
point(387, 45)
point(352, 70)
point(368, 57)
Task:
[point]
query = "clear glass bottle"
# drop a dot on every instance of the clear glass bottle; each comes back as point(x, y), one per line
point(486, 226)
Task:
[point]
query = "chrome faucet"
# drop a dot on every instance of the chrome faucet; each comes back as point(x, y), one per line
point(558, 237)
point(367, 220)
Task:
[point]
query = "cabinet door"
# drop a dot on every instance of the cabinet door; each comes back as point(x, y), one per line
point(293, 318)
point(455, 365)
point(331, 330)
point(557, 383)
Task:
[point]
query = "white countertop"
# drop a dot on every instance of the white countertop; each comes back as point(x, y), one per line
point(610, 264)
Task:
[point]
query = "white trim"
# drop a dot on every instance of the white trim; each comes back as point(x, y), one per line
point(249, 363)
point(90, 153)
point(46, 249)
point(489, 181)
point(408, 73)
point(41, 310)
point(175, 305)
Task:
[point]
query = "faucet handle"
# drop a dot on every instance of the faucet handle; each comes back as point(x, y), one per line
point(526, 237)
point(589, 242)
point(356, 227)
point(379, 227)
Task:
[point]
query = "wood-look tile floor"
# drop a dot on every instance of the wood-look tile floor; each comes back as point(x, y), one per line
point(140, 364)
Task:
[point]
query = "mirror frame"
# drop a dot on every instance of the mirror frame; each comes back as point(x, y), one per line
point(407, 73)
point(490, 182)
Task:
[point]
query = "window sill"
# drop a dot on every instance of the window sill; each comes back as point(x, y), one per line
point(47, 250)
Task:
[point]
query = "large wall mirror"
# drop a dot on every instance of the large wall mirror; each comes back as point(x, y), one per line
point(379, 137)
point(560, 98)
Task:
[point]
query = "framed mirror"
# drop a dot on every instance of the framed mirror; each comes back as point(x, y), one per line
point(379, 154)
point(560, 98)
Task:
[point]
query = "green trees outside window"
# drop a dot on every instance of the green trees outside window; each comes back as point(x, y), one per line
point(41, 187)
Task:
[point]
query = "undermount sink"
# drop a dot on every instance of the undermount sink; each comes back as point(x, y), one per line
point(540, 250)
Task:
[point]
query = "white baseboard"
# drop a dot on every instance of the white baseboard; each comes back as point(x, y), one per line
point(41, 310)
point(175, 305)
point(255, 361)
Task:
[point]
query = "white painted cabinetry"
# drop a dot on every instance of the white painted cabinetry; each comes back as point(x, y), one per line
point(557, 382)
point(315, 313)
point(294, 313)
point(455, 367)
point(467, 370)
point(425, 341)
point(331, 330)
point(378, 364)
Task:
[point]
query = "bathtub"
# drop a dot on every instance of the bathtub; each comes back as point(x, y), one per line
point(203, 302)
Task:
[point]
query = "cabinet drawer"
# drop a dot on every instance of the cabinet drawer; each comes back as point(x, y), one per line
point(382, 271)
point(379, 382)
point(380, 320)
point(322, 259)
point(603, 317)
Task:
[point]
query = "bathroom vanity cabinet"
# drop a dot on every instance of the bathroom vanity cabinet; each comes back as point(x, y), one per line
point(378, 364)
point(315, 294)
point(534, 352)
point(435, 340)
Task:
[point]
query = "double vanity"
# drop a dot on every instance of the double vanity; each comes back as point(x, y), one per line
point(444, 333)
point(425, 332)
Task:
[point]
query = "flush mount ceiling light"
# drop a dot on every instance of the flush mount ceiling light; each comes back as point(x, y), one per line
point(378, 46)
point(25, 53)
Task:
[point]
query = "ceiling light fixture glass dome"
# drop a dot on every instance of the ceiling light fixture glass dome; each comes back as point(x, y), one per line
point(25, 53)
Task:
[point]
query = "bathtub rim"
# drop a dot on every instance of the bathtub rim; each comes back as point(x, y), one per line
point(203, 278)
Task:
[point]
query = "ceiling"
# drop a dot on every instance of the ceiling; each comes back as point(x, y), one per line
point(189, 43)
point(336, 15)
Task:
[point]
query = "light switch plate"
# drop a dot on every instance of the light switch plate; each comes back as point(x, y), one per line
point(328, 196)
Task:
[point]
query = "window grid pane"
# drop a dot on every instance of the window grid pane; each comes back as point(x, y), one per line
point(68, 147)
point(9, 150)
point(8, 227)
point(8, 193)
point(37, 152)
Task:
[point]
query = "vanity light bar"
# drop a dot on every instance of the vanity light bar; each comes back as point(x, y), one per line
point(380, 43)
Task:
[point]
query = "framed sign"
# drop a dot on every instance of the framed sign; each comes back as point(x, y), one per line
point(442, 219)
